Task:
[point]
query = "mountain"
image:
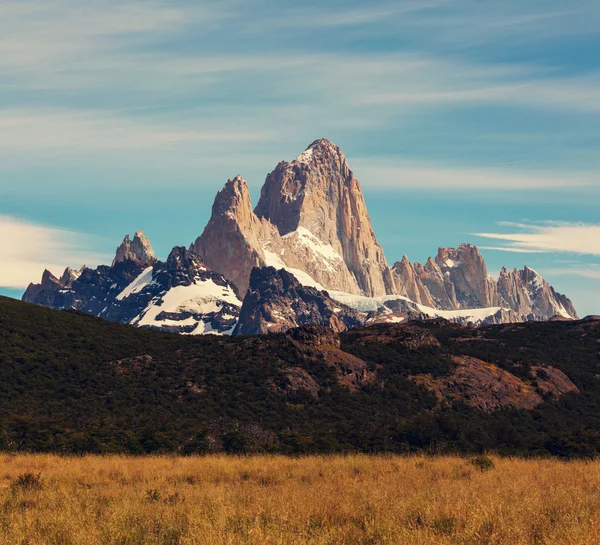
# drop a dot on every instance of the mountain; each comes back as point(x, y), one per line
point(311, 220)
point(73, 383)
point(318, 197)
point(276, 301)
point(180, 295)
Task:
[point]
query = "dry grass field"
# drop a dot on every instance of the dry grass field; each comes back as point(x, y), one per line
point(263, 500)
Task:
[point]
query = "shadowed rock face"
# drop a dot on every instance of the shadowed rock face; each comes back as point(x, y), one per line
point(276, 301)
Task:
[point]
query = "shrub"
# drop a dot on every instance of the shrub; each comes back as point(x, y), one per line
point(153, 495)
point(28, 481)
point(483, 463)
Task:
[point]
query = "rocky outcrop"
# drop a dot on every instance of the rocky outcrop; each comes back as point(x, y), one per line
point(481, 385)
point(322, 346)
point(276, 301)
point(552, 381)
point(486, 387)
point(139, 249)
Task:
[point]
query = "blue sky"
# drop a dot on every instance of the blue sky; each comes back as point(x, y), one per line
point(460, 118)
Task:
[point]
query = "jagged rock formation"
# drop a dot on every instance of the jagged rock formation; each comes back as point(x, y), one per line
point(464, 267)
point(92, 292)
point(410, 284)
point(139, 249)
point(70, 275)
point(528, 293)
point(276, 301)
point(181, 295)
point(458, 280)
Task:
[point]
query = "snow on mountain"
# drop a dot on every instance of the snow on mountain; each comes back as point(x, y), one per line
point(395, 303)
point(137, 285)
point(188, 308)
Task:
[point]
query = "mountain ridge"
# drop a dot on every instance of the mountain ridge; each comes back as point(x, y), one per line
point(311, 220)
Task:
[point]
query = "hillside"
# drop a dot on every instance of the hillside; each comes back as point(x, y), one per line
point(71, 382)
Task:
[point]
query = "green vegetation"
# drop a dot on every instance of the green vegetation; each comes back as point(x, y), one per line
point(71, 383)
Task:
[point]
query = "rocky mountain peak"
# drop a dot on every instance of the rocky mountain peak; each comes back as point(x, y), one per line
point(232, 241)
point(318, 192)
point(409, 284)
point(182, 259)
point(139, 249)
point(49, 281)
point(70, 275)
point(233, 201)
point(321, 151)
point(465, 268)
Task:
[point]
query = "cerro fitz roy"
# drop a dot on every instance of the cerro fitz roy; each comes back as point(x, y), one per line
point(307, 253)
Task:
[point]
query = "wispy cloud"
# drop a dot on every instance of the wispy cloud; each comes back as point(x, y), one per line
point(385, 174)
point(584, 270)
point(577, 238)
point(26, 249)
point(75, 130)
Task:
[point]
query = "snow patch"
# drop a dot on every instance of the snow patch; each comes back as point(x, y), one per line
point(304, 157)
point(137, 285)
point(307, 239)
point(273, 260)
point(200, 298)
point(366, 304)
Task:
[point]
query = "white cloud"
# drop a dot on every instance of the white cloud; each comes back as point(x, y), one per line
point(577, 238)
point(26, 249)
point(380, 173)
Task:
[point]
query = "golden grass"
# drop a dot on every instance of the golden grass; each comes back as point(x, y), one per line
point(278, 500)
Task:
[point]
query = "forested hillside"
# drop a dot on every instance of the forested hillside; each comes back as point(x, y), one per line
point(71, 383)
